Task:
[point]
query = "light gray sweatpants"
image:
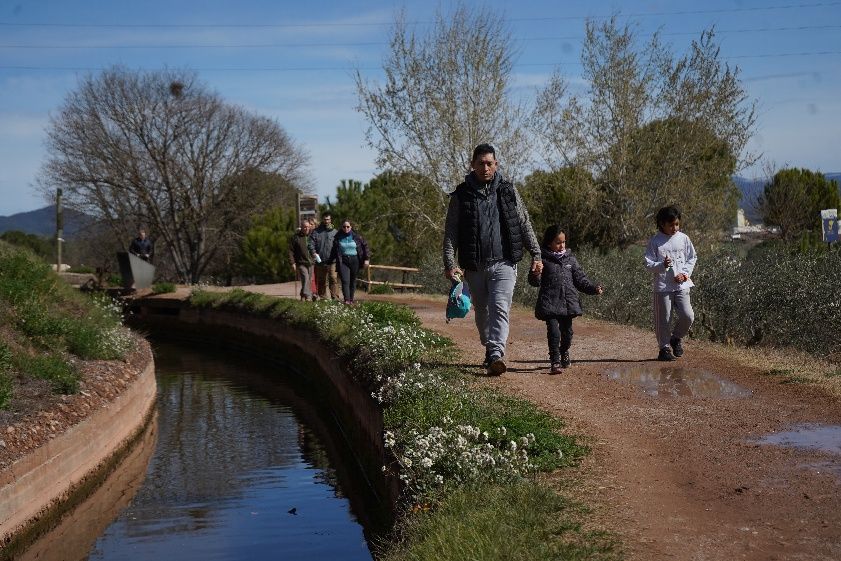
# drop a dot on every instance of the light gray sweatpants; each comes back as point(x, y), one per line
point(491, 292)
point(664, 304)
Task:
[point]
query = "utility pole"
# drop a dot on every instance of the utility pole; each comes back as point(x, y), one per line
point(59, 228)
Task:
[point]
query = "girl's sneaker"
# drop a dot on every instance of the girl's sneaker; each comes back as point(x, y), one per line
point(565, 360)
point(677, 347)
point(665, 355)
point(556, 368)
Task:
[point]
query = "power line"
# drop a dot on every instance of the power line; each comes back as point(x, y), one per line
point(380, 43)
point(419, 22)
point(343, 68)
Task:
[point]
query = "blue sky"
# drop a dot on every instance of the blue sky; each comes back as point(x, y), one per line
point(293, 61)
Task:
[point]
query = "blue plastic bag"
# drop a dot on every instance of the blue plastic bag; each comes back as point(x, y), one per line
point(458, 304)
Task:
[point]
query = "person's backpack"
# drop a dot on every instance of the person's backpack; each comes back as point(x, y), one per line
point(458, 304)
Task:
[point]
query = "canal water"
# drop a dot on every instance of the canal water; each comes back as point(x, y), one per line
point(242, 469)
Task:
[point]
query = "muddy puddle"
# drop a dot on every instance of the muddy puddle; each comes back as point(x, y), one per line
point(677, 381)
point(814, 437)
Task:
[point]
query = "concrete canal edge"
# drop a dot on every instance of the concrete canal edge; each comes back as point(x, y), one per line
point(357, 416)
point(40, 487)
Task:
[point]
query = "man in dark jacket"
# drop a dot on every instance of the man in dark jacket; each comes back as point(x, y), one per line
point(489, 228)
point(325, 273)
point(142, 246)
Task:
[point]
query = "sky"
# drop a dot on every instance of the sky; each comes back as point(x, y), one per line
point(294, 61)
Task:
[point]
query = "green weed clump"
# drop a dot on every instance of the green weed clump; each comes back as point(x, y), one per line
point(163, 288)
point(45, 323)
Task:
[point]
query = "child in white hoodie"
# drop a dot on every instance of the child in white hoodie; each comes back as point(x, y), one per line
point(670, 256)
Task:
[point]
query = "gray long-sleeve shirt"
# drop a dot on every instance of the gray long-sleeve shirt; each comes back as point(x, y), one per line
point(530, 242)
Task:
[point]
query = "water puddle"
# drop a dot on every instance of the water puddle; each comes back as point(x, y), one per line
point(677, 381)
point(814, 437)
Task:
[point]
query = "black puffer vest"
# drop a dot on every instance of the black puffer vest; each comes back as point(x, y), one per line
point(559, 284)
point(468, 225)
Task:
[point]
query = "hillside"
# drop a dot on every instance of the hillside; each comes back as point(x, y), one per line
point(41, 222)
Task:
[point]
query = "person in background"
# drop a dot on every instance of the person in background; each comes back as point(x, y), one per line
point(302, 258)
point(142, 246)
point(671, 258)
point(558, 301)
point(350, 253)
point(489, 228)
point(325, 273)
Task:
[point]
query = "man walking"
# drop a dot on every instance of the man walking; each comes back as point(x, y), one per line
point(325, 274)
point(301, 257)
point(489, 228)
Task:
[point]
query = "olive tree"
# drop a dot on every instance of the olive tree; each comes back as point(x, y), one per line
point(160, 149)
point(651, 128)
point(444, 93)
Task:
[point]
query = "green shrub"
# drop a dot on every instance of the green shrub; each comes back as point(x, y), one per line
point(384, 288)
point(771, 295)
point(6, 390)
point(163, 287)
point(52, 367)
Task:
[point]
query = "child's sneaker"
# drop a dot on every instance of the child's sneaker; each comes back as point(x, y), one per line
point(556, 368)
point(677, 348)
point(666, 355)
point(565, 360)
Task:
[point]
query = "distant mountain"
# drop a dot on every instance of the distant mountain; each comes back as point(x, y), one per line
point(41, 222)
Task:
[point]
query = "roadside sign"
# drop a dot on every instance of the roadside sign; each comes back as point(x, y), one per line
point(307, 206)
point(829, 219)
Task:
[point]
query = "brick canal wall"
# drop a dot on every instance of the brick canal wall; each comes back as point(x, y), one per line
point(40, 486)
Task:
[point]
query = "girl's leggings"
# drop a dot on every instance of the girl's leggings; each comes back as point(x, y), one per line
point(559, 334)
point(348, 269)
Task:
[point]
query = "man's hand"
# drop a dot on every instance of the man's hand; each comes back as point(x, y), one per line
point(681, 278)
point(537, 267)
point(451, 273)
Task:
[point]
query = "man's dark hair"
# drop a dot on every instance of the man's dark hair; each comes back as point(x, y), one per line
point(667, 215)
point(481, 150)
point(551, 233)
point(326, 214)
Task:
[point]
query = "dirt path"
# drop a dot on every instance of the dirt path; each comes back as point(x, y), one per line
point(677, 475)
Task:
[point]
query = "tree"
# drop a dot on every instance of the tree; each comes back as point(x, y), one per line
point(689, 115)
point(160, 149)
point(264, 249)
point(568, 197)
point(793, 201)
point(444, 93)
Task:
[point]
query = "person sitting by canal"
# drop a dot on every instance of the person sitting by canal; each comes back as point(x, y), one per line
point(558, 301)
point(350, 253)
point(142, 246)
point(302, 257)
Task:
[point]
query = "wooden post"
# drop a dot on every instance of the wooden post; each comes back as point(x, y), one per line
point(59, 229)
point(368, 286)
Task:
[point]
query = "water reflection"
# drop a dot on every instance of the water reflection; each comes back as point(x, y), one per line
point(821, 438)
point(235, 474)
point(675, 381)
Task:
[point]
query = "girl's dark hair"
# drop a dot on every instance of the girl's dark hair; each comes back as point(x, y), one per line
point(667, 214)
point(551, 233)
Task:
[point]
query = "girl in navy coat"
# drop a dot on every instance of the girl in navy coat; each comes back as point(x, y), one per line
point(558, 300)
point(350, 253)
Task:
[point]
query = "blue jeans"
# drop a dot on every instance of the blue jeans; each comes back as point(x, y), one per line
point(491, 291)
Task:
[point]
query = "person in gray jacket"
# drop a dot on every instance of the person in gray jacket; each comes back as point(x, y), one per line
point(325, 273)
point(489, 228)
point(558, 301)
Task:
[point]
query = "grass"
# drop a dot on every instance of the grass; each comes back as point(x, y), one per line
point(45, 325)
point(519, 522)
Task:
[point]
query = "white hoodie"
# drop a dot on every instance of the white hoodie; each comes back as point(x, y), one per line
point(680, 249)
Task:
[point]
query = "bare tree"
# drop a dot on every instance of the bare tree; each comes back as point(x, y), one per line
point(651, 129)
point(444, 93)
point(160, 149)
